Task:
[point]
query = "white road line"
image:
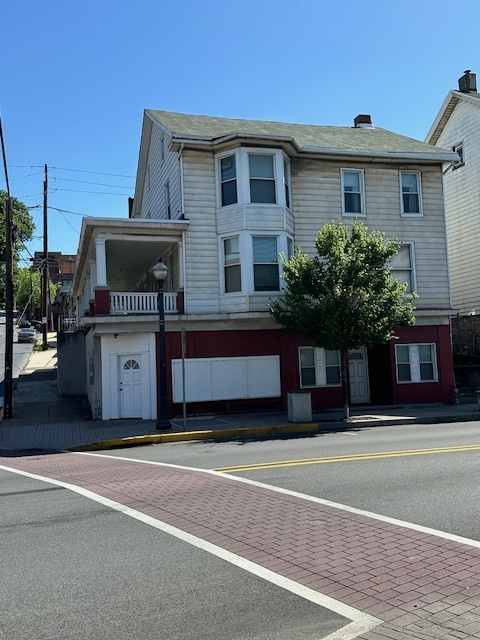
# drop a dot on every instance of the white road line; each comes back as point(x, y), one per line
point(361, 622)
point(335, 505)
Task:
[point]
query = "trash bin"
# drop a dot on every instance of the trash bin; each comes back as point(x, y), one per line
point(299, 406)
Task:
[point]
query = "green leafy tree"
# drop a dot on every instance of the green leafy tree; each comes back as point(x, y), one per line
point(29, 291)
point(23, 231)
point(345, 297)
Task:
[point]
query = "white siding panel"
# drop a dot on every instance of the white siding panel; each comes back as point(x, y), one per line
point(316, 192)
point(202, 277)
point(462, 204)
point(158, 172)
point(208, 379)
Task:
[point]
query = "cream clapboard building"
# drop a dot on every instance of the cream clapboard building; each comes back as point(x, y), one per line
point(219, 200)
point(457, 127)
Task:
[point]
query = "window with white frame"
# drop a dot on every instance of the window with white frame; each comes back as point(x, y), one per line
point(231, 264)
point(353, 192)
point(319, 367)
point(266, 275)
point(402, 267)
point(286, 180)
point(411, 196)
point(416, 363)
point(262, 178)
point(228, 180)
point(461, 158)
point(253, 176)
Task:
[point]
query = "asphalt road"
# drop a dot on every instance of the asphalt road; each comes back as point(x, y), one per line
point(437, 489)
point(74, 569)
point(21, 353)
point(78, 569)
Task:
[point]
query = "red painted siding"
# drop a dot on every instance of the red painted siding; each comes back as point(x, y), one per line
point(384, 388)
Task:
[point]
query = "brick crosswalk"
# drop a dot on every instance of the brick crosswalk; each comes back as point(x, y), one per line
point(417, 584)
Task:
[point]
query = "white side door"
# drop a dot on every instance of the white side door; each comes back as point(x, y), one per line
point(130, 386)
point(358, 371)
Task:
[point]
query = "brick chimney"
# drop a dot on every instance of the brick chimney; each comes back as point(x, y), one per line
point(468, 82)
point(363, 121)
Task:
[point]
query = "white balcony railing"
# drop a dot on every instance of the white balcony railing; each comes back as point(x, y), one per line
point(130, 302)
point(68, 324)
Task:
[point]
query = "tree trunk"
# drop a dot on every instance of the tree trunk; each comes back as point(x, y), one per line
point(345, 384)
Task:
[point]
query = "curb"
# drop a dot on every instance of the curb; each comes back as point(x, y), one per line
point(211, 434)
point(256, 432)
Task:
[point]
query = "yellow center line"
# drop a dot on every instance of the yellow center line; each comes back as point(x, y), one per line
point(349, 458)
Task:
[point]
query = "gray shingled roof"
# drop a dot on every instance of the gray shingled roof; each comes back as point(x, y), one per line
point(306, 136)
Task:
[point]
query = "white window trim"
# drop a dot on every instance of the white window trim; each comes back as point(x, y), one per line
point(361, 172)
point(221, 253)
point(415, 375)
point(418, 214)
point(246, 261)
point(243, 176)
point(411, 246)
point(456, 164)
point(320, 369)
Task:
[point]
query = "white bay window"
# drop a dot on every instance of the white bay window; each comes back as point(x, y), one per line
point(253, 176)
point(250, 262)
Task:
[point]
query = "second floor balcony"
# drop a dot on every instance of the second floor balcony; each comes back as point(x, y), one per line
point(139, 303)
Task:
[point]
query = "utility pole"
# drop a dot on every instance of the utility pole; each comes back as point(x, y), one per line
point(45, 262)
point(8, 384)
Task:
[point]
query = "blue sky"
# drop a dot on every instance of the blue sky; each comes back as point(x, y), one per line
point(76, 77)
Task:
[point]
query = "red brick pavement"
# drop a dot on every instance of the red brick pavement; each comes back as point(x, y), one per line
point(421, 586)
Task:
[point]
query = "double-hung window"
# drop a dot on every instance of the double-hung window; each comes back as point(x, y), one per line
point(416, 363)
point(254, 176)
point(231, 264)
point(353, 192)
point(319, 367)
point(228, 180)
point(402, 267)
point(262, 178)
point(266, 275)
point(411, 197)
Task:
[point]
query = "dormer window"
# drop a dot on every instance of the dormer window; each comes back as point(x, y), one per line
point(253, 176)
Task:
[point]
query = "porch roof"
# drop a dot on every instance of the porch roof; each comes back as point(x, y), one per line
point(133, 246)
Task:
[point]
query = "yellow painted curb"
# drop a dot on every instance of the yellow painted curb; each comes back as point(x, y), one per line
point(211, 434)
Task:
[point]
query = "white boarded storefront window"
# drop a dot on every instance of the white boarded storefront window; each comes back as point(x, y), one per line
point(227, 378)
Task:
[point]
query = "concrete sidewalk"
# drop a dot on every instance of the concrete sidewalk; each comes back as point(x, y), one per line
point(43, 420)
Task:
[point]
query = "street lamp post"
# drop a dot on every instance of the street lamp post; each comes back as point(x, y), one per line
point(160, 271)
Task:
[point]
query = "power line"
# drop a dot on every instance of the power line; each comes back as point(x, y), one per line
point(102, 193)
point(28, 175)
point(98, 173)
point(85, 215)
point(69, 223)
point(102, 184)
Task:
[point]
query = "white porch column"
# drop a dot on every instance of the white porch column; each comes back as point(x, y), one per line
point(101, 261)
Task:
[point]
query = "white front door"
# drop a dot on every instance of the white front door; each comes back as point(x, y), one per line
point(357, 366)
point(130, 386)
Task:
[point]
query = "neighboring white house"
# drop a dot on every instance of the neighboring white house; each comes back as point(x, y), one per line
point(457, 127)
point(218, 200)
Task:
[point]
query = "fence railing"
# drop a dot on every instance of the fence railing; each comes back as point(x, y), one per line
point(68, 324)
point(128, 302)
